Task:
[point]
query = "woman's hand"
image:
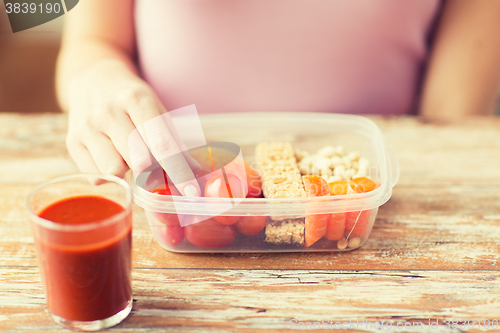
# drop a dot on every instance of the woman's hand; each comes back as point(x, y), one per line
point(107, 102)
point(98, 84)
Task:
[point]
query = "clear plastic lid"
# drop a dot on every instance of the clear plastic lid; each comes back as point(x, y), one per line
point(306, 131)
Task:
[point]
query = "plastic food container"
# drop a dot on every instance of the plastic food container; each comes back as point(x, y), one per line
point(282, 217)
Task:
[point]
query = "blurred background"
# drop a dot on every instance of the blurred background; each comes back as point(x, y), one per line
point(27, 66)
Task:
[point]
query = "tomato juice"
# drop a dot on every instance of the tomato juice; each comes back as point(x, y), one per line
point(86, 263)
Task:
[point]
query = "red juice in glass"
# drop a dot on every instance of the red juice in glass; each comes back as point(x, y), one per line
point(84, 244)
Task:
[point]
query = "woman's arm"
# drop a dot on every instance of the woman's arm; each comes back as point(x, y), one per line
point(98, 84)
point(463, 74)
point(94, 30)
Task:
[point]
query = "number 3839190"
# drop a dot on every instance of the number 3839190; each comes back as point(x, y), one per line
point(25, 8)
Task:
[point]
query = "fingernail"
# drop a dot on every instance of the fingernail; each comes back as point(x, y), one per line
point(191, 191)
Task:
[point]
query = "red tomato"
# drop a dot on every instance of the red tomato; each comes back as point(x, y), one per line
point(166, 218)
point(220, 156)
point(216, 187)
point(160, 189)
point(170, 235)
point(201, 178)
point(210, 234)
point(227, 220)
point(251, 225)
point(164, 189)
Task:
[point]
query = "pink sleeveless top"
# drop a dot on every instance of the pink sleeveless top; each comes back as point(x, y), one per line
point(349, 56)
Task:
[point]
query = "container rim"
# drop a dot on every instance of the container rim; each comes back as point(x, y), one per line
point(48, 224)
point(283, 206)
point(260, 206)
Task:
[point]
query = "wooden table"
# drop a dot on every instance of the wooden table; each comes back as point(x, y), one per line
point(432, 257)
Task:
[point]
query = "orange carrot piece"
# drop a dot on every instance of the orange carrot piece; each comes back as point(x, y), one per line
point(358, 222)
point(335, 226)
point(315, 225)
point(315, 186)
point(342, 187)
point(364, 184)
point(357, 185)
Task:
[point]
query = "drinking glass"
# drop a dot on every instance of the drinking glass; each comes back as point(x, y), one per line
point(85, 267)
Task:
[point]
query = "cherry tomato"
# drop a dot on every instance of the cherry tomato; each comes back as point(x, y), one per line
point(166, 218)
point(201, 177)
point(161, 190)
point(216, 187)
point(220, 156)
point(227, 220)
point(170, 235)
point(164, 189)
point(251, 225)
point(210, 234)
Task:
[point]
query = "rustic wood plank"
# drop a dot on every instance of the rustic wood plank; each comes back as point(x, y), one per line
point(454, 227)
point(433, 253)
point(464, 151)
point(32, 149)
point(254, 300)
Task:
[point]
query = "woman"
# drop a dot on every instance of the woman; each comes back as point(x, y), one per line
point(123, 63)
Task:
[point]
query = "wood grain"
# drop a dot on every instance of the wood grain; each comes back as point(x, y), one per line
point(178, 300)
point(433, 254)
point(32, 149)
point(417, 229)
point(460, 152)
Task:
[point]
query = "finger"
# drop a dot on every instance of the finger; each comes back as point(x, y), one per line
point(193, 164)
point(129, 143)
point(145, 112)
point(83, 160)
point(81, 156)
point(139, 154)
point(140, 158)
point(107, 159)
point(166, 151)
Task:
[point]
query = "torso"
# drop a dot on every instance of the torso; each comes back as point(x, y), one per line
point(356, 56)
